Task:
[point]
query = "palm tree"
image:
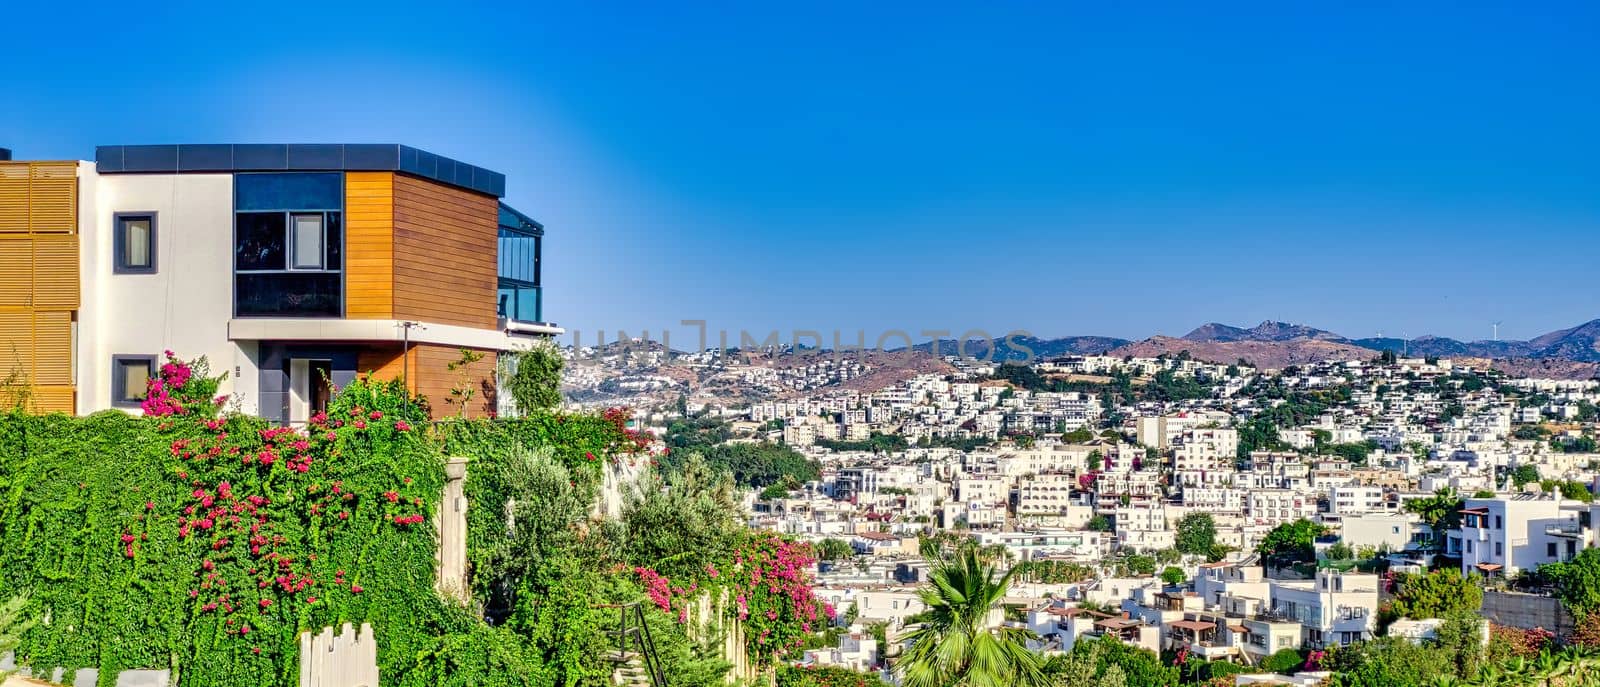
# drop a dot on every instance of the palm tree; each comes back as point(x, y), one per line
point(962, 640)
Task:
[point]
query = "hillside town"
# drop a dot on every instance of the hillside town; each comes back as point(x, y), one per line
point(1139, 498)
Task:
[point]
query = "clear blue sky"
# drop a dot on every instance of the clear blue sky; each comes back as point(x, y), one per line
point(1417, 167)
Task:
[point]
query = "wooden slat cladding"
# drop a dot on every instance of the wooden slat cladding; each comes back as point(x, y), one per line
point(383, 363)
point(53, 198)
point(36, 353)
point(433, 379)
point(39, 197)
point(445, 243)
point(55, 272)
point(16, 271)
point(369, 245)
point(39, 279)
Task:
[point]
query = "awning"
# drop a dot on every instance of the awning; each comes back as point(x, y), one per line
point(1490, 567)
point(1238, 628)
point(1116, 622)
point(1196, 625)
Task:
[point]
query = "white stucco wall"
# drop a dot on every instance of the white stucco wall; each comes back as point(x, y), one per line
point(185, 306)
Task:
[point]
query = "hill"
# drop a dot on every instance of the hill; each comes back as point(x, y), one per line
point(1269, 330)
point(1269, 355)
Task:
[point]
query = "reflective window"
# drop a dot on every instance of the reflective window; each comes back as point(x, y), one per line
point(130, 379)
point(289, 191)
point(289, 245)
point(135, 244)
point(259, 241)
point(289, 294)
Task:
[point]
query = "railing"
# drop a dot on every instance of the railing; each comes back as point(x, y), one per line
point(1567, 528)
point(632, 630)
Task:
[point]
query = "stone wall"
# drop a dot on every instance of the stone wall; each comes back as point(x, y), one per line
point(1527, 611)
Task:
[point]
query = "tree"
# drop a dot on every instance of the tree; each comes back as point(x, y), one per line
point(1114, 675)
point(1173, 576)
point(466, 388)
point(1441, 512)
point(1390, 661)
point(673, 523)
point(1284, 661)
point(1078, 436)
point(1197, 534)
point(533, 377)
point(1525, 474)
point(1291, 542)
point(543, 507)
point(1099, 523)
point(831, 549)
point(1100, 661)
point(755, 465)
point(1340, 551)
point(1438, 594)
point(14, 621)
point(962, 639)
point(1577, 582)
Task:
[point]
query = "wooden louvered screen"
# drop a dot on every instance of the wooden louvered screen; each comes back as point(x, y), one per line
point(39, 279)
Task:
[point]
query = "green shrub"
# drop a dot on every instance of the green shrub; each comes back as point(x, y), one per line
point(1285, 661)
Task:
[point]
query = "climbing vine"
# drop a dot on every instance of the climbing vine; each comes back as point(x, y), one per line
point(206, 543)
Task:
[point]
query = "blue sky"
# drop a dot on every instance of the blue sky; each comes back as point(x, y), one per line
point(1073, 169)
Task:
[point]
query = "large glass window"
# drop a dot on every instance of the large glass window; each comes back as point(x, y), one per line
point(519, 302)
point(289, 191)
point(289, 245)
point(259, 241)
point(519, 257)
point(288, 294)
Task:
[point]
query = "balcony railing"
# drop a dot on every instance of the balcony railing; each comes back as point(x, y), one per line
point(1565, 529)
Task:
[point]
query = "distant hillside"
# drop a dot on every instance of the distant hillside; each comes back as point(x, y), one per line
point(1269, 355)
point(1580, 343)
point(1441, 347)
point(1266, 331)
point(1037, 348)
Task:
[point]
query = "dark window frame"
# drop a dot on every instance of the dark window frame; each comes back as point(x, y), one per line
point(119, 390)
point(119, 243)
point(331, 216)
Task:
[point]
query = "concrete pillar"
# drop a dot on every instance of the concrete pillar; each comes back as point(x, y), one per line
point(452, 528)
point(348, 659)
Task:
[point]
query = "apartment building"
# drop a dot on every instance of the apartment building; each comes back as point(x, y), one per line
point(1335, 608)
point(1355, 500)
point(292, 268)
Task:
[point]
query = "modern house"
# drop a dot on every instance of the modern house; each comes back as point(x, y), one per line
point(292, 268)
point(1504, 535)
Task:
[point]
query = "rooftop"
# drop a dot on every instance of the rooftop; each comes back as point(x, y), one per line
point(284, 157)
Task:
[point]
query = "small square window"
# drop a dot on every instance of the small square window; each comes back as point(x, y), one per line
point(130, 379)
point(134, 243)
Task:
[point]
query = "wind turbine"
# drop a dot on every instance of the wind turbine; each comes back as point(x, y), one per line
point(1496, 326)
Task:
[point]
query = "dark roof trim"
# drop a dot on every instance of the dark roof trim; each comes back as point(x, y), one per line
point(278, 157)
point(528, 222)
